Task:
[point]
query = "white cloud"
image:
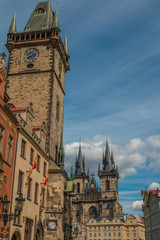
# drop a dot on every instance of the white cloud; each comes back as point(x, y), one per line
point(137, 206)
point(137, 153)
point(154, 186)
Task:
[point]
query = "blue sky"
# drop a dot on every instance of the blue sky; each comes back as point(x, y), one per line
point(113, 85)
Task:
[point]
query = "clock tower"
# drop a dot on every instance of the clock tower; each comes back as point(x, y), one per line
point(38, 61)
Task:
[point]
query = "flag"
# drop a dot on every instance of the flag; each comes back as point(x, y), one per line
point(33, 167)
point(45, 183)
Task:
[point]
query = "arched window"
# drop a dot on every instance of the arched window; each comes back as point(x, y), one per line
point(92, 212)
point(60, 67)
point(78, 187)
point(107, 185)
point(57, 111)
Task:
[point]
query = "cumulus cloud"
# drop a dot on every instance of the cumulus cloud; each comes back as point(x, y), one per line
point(137, 153)
point(137, 206)
point(154, 186)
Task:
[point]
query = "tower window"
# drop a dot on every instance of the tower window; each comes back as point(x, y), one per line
point(107, 185)
point(40, 11)
point(60, 67)
point(57, 111)
point(78, 187)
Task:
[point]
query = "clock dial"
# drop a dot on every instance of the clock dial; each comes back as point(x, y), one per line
point(52, 225)
point(31, 55)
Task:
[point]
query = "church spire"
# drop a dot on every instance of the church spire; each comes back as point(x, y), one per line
point(80, 163)
point(72, 176)
point(107, 165)
point(66, 44)
point(49, 15)
point(56, 20)
point(13, 28)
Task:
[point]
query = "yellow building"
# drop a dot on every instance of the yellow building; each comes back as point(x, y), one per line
point(118, 228)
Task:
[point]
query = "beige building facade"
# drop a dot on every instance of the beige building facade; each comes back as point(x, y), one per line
point(30, 223)
point(125, 227)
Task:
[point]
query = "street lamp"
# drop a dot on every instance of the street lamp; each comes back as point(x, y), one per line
point(5, 206)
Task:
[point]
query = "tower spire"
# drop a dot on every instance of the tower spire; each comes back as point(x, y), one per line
point(49, 15)
point(66, 44)
point(80, 162)
point(56, 19)
point(107, 165)
point(13, 28)
point(72, 176)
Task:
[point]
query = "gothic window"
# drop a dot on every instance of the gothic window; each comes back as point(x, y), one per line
point(57, 111)
point(78, 187)
point(92, 212)
point(38, 162)
point(29, 189)
point(28, 229)
point(107, 185)
point(23, 146)
point(31, 156)
point(20, 177)
point(56, 153)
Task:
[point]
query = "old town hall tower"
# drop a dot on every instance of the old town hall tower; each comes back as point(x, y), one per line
point(38, 61)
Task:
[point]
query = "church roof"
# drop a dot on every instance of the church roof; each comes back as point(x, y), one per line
point(41, 18)
point(13, 28)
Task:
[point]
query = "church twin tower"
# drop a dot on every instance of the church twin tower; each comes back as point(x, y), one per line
point(38, 61)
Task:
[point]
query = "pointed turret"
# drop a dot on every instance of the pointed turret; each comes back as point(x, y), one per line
point(61, 155)
point(80, 163)
point(56, 20)
point(13, 28)
point(49, 15)
point(66, 44)
point(107, 165)
point(72, 176)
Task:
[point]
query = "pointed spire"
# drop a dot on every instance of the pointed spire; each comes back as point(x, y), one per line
point(80, 162)
point(107, 165)
point(99, 167)
point(88, 172)
point(72, 176)
point(49, 15)
point(66, 44)
point(56, 19)
point(13, 28)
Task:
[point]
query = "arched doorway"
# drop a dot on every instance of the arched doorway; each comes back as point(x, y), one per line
point(92, 212)
point(39, 232)
point(16, 235)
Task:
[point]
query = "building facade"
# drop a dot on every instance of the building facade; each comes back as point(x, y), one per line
point(8, 138)
point(89, 200)
point(151, 209)
point(29, 222)
point(125, 227)
point(38, 61)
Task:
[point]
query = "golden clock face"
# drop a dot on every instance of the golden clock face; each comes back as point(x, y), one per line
point(31, 55)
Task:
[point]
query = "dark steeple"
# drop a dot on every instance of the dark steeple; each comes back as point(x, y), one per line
point(72, 176)
point(80, 163)
point(107, 165)
point(61, 155)
point(41, 18)
point(13, 28)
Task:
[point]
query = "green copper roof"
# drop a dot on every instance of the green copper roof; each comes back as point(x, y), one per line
point(56, 20)
point(41, 18)
point(66, 45)
point(12, 28)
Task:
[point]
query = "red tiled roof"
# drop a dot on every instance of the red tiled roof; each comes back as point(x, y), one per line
point(142, 219)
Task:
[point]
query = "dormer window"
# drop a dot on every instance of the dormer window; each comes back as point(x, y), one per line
point(44, 26)
point(40, 11)
point(28, 28)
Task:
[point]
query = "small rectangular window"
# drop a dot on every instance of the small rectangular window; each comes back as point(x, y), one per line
point(36, 193)
point(9, 149)
point(31, 156)
point(38, 162)
point(43, 195)
point(44, 169)
point(29, 189)
point(114, 234)
point(90, 234)
point(109, 234)
point(105, 234)
point(20, 178)
point(23, 145)
point(119, 234)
